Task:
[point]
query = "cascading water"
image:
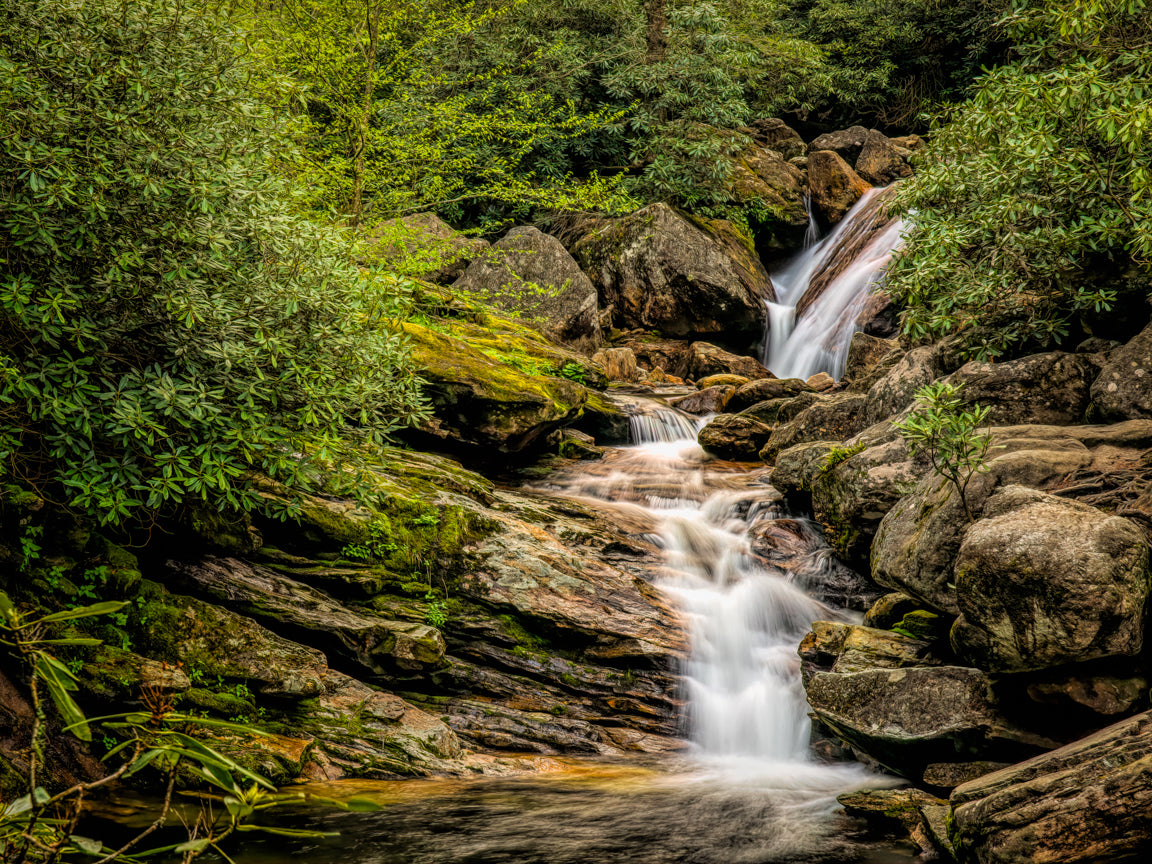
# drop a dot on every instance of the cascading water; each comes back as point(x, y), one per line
point(746, 707)
point(822, 292)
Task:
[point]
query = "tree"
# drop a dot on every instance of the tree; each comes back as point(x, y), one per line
point(1033, 207)
point(390, 122)
point(170, 327)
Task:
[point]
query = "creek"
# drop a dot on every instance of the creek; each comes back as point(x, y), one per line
point(748, 785)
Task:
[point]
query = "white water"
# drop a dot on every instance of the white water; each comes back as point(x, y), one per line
point(819, 341)
point(747, 712)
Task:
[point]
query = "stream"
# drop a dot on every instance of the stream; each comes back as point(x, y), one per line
point(748, 787)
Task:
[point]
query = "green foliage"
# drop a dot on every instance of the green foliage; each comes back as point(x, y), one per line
point(1035, 198)
point(169, 328)
point(946, 430)
point(840, 454)
point(391, 123)
point(892, 59)
point(40, 826)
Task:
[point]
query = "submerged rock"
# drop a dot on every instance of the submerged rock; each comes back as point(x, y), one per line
point(1084, 803)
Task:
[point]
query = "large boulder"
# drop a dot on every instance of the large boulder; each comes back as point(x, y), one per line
point(532, 273)
point(479, 401)
point(1042, 581)
point(658, 269)
point(879, 162)
point(846, 143)
point(734, 436)
point(1047, 389)
point(834, 186)
point(424, 245)
point(708, 400)
point(868, 357)
point(908, 718)
point(918, 539)
point(1084, 803)
point(705, 359)
point(1123, 390)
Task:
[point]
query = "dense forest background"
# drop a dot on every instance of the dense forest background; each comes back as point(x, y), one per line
point(191, 186)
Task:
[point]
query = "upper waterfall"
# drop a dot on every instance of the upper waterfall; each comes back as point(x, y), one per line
point(823, 291)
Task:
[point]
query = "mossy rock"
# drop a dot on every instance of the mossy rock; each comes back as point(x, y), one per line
point(481, 402)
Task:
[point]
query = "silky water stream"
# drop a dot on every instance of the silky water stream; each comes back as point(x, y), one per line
point(746, 789)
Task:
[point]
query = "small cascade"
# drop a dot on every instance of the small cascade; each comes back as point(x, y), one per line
point(745, 702)
point(827, 287)
point(812, 235)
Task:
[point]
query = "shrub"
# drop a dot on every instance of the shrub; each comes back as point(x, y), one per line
point(169, 327)
point(1036, 196)
point(942, 428)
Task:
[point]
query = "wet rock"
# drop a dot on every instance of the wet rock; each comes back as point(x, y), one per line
point(879, 162)
point(734, 436)
point(710, 400)
point(797, 547)
point(888, 809)
point(1048, 389)
point(1041, 581)
point(428, 244)
point(722, 380)
point(530, 272)
point(367, 733)
point(909, 718)
point(705, 359)
point(935, 830)
point(865, 354)
point(219, 642)
point(833, 417)
point(376, 644)
point(604, 420)
point(889, 610)
point(658, 269)
point(763, 176)
point(868, 648)
point(1123, 390)
point(482, 402)
point(835, 187)
point(1084, 803)
point(821, 381)
point(846, 143)
point(766, 389)
point(774, 134)
point(820, 647)
point(772, 411)
point(854, 494)
point(574, 444)
point(619, 363)
point(918, 539)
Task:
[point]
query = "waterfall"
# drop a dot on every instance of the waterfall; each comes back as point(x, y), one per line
point(827, 287)
point(746, 708)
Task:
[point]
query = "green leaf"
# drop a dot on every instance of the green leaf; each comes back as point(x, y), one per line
point(103, 608)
